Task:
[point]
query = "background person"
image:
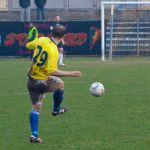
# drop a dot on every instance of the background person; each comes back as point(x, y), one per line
point(57, 20)
point(25, 9)
point(44, 77)
point(40, 4)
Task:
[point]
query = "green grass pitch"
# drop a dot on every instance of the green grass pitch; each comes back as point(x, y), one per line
point(119, 120)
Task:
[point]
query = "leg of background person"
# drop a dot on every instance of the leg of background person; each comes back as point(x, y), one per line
point(61, 58)
point(22, 14)
point(28, 14)
point(25, 14)
point(42, 11)
point(38, 13)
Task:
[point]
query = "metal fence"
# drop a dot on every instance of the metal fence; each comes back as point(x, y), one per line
point(61, 4)
point(127, 29)
point(129, 38)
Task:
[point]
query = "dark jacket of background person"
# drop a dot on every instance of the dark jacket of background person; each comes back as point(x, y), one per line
point(24, 3)
point(40, 3)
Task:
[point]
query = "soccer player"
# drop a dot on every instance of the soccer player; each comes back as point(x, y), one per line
point(43, 77)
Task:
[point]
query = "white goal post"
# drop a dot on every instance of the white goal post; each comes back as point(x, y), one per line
point(111, 5)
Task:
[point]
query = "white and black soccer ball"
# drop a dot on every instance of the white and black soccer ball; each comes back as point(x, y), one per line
point(97, 89)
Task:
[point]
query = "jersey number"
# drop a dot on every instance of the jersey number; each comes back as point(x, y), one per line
point(43, 57)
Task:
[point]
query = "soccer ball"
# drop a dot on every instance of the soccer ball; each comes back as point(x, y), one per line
point(97, 89)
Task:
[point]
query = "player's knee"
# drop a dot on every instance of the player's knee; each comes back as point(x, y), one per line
point(37, 106)
point(61, 85)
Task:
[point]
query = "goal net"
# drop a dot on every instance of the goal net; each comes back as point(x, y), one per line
point(125, 28)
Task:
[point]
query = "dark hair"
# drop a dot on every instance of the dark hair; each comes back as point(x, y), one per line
point(31, 24)
point(57, 17)
point(59, 31)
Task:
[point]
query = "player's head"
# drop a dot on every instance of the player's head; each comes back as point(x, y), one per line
point(59, 31)
point(57, 18)
point(31, 25)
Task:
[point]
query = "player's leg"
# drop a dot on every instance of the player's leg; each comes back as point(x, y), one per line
point(56, 85)
point(34, 119)
point(34, 87)
point(35, 112)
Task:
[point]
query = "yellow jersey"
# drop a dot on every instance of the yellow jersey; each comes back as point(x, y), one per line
point(45, 58)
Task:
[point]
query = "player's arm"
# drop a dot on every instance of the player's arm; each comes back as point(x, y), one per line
point(54, 71)
point(31, 45)
point(60, 73)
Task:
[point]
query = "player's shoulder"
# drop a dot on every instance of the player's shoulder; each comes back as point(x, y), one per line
point(44, 39)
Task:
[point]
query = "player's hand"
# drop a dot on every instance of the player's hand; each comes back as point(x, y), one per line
point(76, 74)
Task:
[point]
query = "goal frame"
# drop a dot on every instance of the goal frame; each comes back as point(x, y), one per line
point(111, 3)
